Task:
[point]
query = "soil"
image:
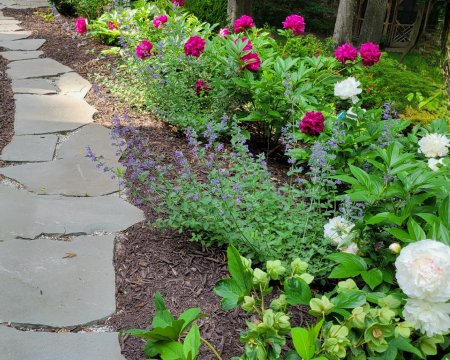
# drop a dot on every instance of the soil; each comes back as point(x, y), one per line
point(147, 259)
point(7, 107)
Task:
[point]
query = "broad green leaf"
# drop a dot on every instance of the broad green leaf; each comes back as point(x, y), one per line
point(373, 277)
point(297, 291)
point(162, 317)
point(169, 333)
point(349, 299)
point(189, 316)
point(400, 234)
point(230, 293)
point(415, 231)
point(191, 345)
point(361, 176)
point(171, 351)
point(350, 265)
point(301, 340)
point(444, 212)
point(386, 216)
point(237, 270)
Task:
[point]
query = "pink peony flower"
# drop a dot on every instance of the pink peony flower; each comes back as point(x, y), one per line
point(223, 33)
point(248, 45)
point(252, 61)
point(346, 52)
point(81, 25)
point(159, 20)
point(178, 2)
point(201, 87)
point(370, 53)
point(112, 25)
point(244, 22)
point(194, 46)
point(312, 123)
point(144, 49)
point(296, 23)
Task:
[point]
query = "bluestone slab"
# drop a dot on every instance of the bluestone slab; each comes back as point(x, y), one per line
point(30, 148)
point(77, 176)
point(27, 44)
point(23, 4)
point(40, 114)
point(26, 215)
point(35, 68)
point(21, 55)
point(14, 35)
point(33, 86)
point(57, 283)
point(6, 27)
point(30, 345)
point(72, 84)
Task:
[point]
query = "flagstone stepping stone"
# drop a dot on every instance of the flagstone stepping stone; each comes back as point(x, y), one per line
point(30, 148)
point(23, 4)
point(21, 55)
point(26, 215)
point(30, 345)
point(40, 114)
point(35, 68)
point(14, 35)
point(72, 84)
point(27, 44)
point(70, 177)
point(97, 137)
point(9, 27)
point(57, 283)
point(8, 21)
point(33, 86)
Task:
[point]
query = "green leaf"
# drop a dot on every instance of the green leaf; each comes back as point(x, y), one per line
point(171, 351)
point(361, 176)
point(396, 344)
point(400, 234)
point(415, 231)
point(237, 270)
point(386, 216)
point(297, 291)
point(349, 299)
point(191, 345)
point(163, 317)
point(350, 265)
point(230, 293)
point(301, 340)
point(373, 277)
point(189, 316)
point(169, 333)
point(444, 212)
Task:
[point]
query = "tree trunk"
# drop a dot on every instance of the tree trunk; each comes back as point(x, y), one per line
point(236, 8)
point(445, 31)
point(343, 28)
point(372, 27)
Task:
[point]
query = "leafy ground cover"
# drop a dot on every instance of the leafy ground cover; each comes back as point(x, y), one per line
point(363, 198)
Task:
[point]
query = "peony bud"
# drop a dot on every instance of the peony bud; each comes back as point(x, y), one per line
point(395, 248)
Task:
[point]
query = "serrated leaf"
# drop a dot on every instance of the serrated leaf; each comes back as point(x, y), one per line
point(162, 317)
point(189, 316)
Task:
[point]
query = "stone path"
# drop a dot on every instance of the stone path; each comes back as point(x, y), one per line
point(58, 212)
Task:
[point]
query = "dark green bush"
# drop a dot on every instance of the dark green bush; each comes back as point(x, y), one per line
point(90, 9)
point(65, 7)
point(212, 11)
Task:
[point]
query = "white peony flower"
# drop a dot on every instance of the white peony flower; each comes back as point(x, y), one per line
point(423, 270)
point(433, 145)
point(433, 163)
point(351, 249)
point(347, 89)
point(428, 317)
point(338, 230)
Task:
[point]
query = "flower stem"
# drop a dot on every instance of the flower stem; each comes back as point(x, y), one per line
point(208, 344)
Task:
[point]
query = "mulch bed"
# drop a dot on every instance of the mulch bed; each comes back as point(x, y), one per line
point(7, 107)
point(147, 259)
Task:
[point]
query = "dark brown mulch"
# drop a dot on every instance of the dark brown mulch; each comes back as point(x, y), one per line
point(7, 107)
point(146, 260)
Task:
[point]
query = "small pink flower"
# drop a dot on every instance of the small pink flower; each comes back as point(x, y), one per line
point(370, 53)
point(112, 25)
point(202, 87)
point(223, 33)
point(144, 49)
point(178, 2)
point(346, 52)
point(252, 61)
point(248, 45)
point(312, 123)
point(159, 20)
point(194, 46)
point(81, 25)
point(296, 23)
point(244, 22)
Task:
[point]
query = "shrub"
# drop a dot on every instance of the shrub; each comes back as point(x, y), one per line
point(90, 9)
point(212, 11)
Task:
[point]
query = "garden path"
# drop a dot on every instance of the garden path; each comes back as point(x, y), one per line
point(58, 212)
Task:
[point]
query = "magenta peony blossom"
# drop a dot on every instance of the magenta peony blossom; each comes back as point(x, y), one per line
point(248, 46)
point(346, 52)
point(81, 25)
point(194, 46)
point(244, 22)
point(112, 25)
point(296, 23)
point(144, 49)
point(178, 2)
point(370, 53)
point(223, 33)
point(201, 87)
point(312, 123)
point(159, 20)
point(252, 61)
